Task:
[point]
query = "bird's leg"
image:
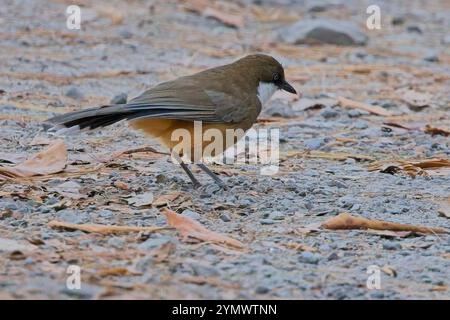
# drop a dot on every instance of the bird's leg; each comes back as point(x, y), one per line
point(212, 175)
point(186, 169)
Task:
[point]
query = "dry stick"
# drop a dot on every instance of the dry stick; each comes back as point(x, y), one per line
point(103, 229)
point(345, 221)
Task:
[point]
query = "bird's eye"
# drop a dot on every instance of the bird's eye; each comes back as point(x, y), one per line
point(276, 76)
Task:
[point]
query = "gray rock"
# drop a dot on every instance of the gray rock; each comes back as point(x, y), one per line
point(225, 217)
point(360, 124)
point(329, 113)
point(116, 242)
point(392, 245)
point(74, 93)
point(267, 221)
point(309, 257)
point(153, 243)
point(204, 270)
point(72, 216)
point(121, 98)
point(329, 31)
point(262, 290)
point(315, 143)
point(191, 214)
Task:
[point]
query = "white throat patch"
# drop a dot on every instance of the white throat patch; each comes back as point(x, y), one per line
point(265, 91)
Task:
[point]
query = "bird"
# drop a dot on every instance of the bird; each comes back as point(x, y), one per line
point(230, 96)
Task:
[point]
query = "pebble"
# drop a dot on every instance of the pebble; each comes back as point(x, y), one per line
point(391, 245)
point(121, 98)
point(72, 216)
point(329, 113)
point(313, 31)
point(279, 108)
point(191, 214)
point(315, 143)
point(309, 257)
point(116, 242)
point(225, 217)
point(153, 243)
point(74, 93)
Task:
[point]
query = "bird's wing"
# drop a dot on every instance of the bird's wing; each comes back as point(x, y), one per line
point(188, 101)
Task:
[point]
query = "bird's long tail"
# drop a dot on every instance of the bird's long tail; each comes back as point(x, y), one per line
point(92, 118)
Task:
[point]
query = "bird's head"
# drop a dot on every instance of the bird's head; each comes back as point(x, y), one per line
point(267, 70)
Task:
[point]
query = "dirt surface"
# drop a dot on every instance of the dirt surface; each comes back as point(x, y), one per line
point(330, 154)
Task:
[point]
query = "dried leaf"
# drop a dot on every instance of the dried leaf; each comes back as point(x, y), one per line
point(118, 271)
point(390, 271)
point(103, 229)
point(192, 231)
point(345, 221)
point(162, 253)
point(377, 110)
point(51, 160)
point(121, 185)
point(165, 199)
point(436, 131)
point(413, 167)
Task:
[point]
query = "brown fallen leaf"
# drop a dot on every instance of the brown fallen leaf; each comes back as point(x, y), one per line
point(377, 110)
point(192, 231)
point(165, 199)
point(390, 271)
point(50, 160)
point(103, 229)
point(121, 185)
point(413, 167)
point(200, 280)
point(345, 221)
point(439, 288)
point(436, 131)
point(117, 271)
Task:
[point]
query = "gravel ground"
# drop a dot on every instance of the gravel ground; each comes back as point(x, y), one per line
point(123, 48)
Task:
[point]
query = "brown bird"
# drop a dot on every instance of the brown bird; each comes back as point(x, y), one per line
point(225, 97)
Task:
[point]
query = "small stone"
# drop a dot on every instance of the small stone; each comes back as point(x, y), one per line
point(309, 257)
point(360, 124)
point(261, 290)
point(396, 21)
point(225, 217)
point(414, 29)
point(121, 98)
point(74, 93)
point(153, 243)
point(337, 183)
point(267, 221)
point(72, 216)
point(431, 56)
point(391, 245)
point(314, 31)
point(204, 271)
point(191, 214)
point(315, 143)
point(116, 242)
point(328, 113)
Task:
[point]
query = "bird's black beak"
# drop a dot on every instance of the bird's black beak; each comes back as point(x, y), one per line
point(287, 87)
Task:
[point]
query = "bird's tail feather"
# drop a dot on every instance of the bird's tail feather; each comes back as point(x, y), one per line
point(91, 118)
